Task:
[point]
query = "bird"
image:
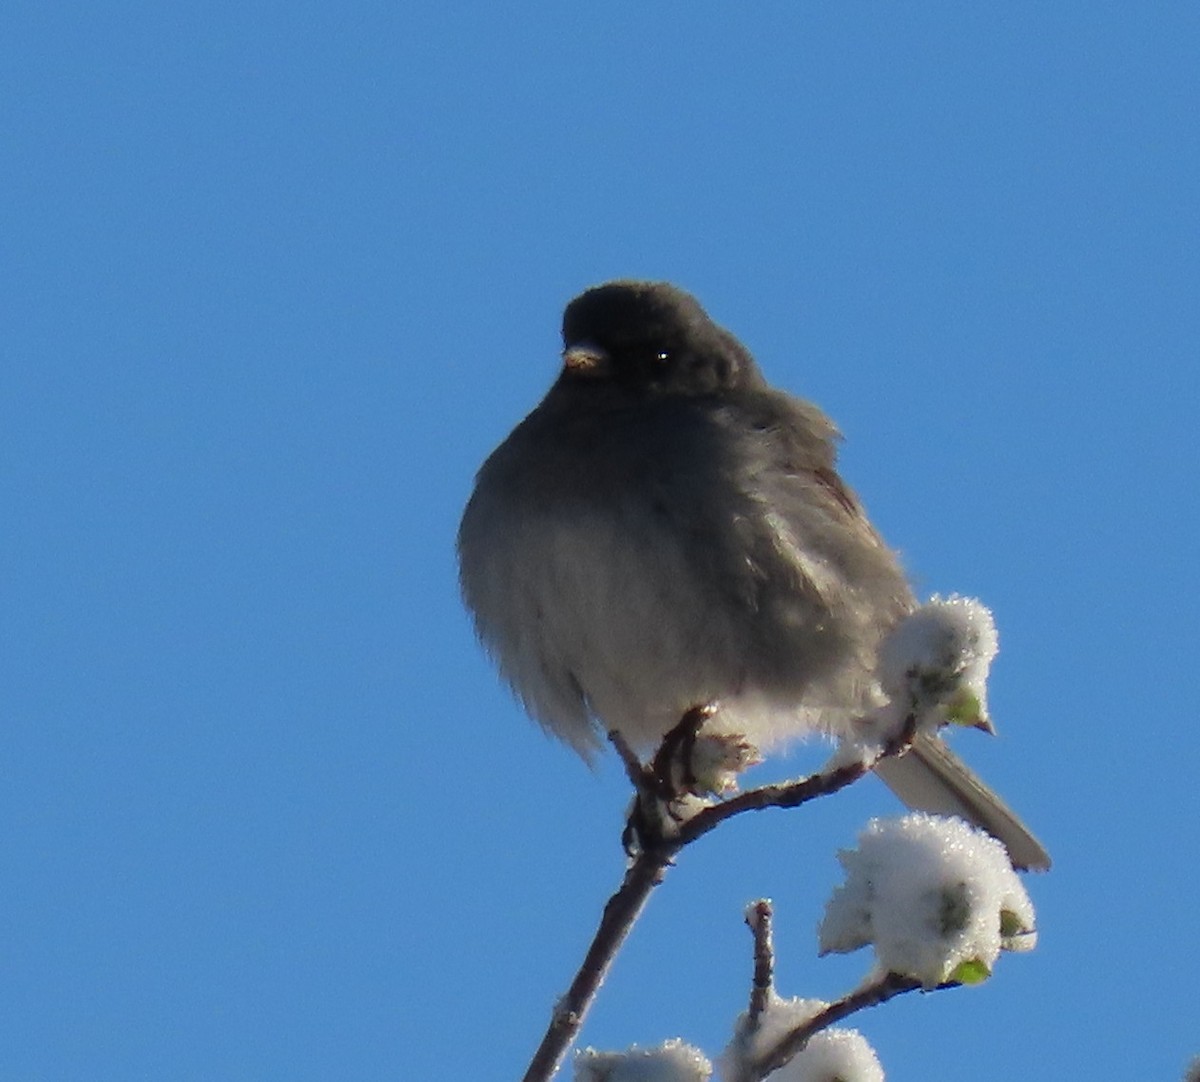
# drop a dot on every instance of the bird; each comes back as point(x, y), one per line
point(666, 530)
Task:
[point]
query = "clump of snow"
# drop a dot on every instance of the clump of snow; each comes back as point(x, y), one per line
point(832, 1055)
point(672, 1061)
point(937, 659)
point(936, 898)
point(751, 1041)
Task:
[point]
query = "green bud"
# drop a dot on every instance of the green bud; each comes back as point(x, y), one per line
point(972, 971)
point(965, 709)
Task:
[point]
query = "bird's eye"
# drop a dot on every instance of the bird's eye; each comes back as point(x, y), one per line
point(662, 357)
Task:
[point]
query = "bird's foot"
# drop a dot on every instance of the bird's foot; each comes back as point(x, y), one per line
point(668, 783)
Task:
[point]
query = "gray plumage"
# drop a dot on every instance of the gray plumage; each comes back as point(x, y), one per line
point(666, 530)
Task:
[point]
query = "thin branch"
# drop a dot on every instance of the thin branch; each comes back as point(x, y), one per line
point(655, 853)
point(792, 794)
point(634, 771)
point(784, 795)
point(642, 876)
point(758, 917)
point(791, 1044)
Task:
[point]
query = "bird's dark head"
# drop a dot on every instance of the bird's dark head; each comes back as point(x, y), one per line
point(653, 337)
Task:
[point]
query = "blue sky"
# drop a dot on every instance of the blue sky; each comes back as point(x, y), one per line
point(278, 276)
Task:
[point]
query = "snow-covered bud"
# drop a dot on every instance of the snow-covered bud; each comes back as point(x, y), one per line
point(936, 661)
point(831, 1055)
point(936, 898)
point(672, 1061)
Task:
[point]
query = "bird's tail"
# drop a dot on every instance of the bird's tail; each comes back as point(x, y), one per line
point(932, 778)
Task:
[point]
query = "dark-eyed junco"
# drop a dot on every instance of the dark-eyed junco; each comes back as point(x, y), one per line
point(665, 531)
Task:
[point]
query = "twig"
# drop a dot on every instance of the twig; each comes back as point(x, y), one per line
point(784, 795)
point(634, 770)
point(642, 876)
point(794, 793)
point(655, 853)
point(758, 917)
point(887, 987)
